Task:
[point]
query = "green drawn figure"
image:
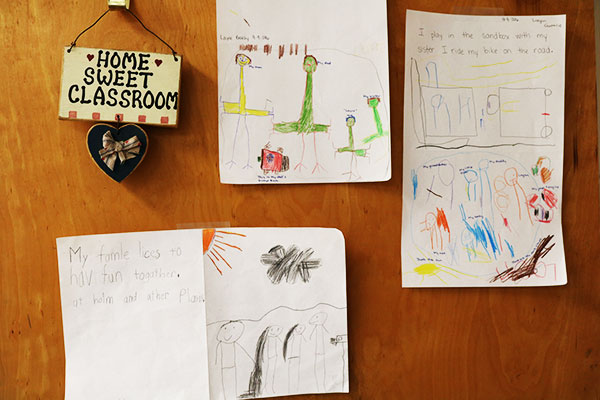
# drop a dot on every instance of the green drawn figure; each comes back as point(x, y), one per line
point(373, 102)
point(240, 109)
point(305, 124)
point(350, 121)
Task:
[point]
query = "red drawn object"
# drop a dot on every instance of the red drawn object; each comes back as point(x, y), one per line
point(96, 115)
point(273, 161)
point(533, 200)
point(541, 213)
point(141, 118)
point(545, 114)
point(72, 114)
point(118, 117)
point(158, 62)
point(441, 220)
point(164, 120)
point(549, 198)
point(90, 57)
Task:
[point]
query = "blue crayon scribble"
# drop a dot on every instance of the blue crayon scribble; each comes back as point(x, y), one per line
point(483, 233)
point(510, 248)
point(415, 182)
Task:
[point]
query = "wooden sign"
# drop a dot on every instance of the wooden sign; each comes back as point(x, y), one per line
point(115, 85)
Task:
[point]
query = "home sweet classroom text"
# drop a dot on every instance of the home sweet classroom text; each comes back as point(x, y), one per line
point(122, 86)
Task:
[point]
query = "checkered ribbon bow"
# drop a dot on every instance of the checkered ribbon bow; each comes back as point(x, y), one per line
point(125, 150)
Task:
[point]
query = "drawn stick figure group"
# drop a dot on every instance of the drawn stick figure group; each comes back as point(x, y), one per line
point(270, 349)
point(304, 126)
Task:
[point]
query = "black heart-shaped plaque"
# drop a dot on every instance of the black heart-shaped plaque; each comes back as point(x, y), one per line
point(121, 170)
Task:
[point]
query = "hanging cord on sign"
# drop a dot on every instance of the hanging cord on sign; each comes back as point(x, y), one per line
point(74, 42)
point(118, 124)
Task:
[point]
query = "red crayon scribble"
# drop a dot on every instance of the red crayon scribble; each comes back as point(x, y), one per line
point(550, 198)
point(442, 222)
point(545, 114)
point(532, 200)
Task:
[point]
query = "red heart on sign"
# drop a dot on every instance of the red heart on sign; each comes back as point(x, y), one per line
point(158, 62)
point(90, 57)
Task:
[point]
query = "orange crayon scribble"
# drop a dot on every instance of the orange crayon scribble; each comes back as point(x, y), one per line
point(214, 251)
point(207, 238)
point(546, 175)
point(434, 224)
point(213, 261)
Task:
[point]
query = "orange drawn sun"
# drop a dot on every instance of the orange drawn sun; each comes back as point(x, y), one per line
point(215, 244)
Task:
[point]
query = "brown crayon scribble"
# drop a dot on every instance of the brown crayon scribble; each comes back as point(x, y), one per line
point(248, 47)
point(527, 267)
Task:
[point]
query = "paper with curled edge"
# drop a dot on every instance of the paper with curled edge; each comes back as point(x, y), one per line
point(483, 150)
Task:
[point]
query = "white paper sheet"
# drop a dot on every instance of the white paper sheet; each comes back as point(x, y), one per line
point(483, 150)
point(134, 316)
point(276, 311)
point(303, 91)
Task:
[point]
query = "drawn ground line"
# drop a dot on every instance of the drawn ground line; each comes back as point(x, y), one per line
point(484, 146)
point(277, 308)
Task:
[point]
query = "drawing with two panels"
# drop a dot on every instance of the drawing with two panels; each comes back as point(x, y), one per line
point(483, 140)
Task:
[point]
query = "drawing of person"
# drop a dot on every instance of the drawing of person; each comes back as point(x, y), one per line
point(500, 198)
point(435, 236)
point(292, 349)
point(319, 330)
point(471, 176)
point(272, 345)
point(468, 241)
point(441, 115)
point(446, 175)
point(343, 340)
point(240, 109)
point(305, 125)
point(511, 177)
point(265, 363)
point(434, 224)
point(485, 188)
point(227, 351)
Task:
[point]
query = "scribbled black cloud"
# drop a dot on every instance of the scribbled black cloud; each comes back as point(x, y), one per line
point(290, 265)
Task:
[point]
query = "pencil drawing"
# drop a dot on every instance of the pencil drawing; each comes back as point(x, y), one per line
point(289, 265)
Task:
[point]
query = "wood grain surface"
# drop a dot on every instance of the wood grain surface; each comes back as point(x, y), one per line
point(528, 343)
